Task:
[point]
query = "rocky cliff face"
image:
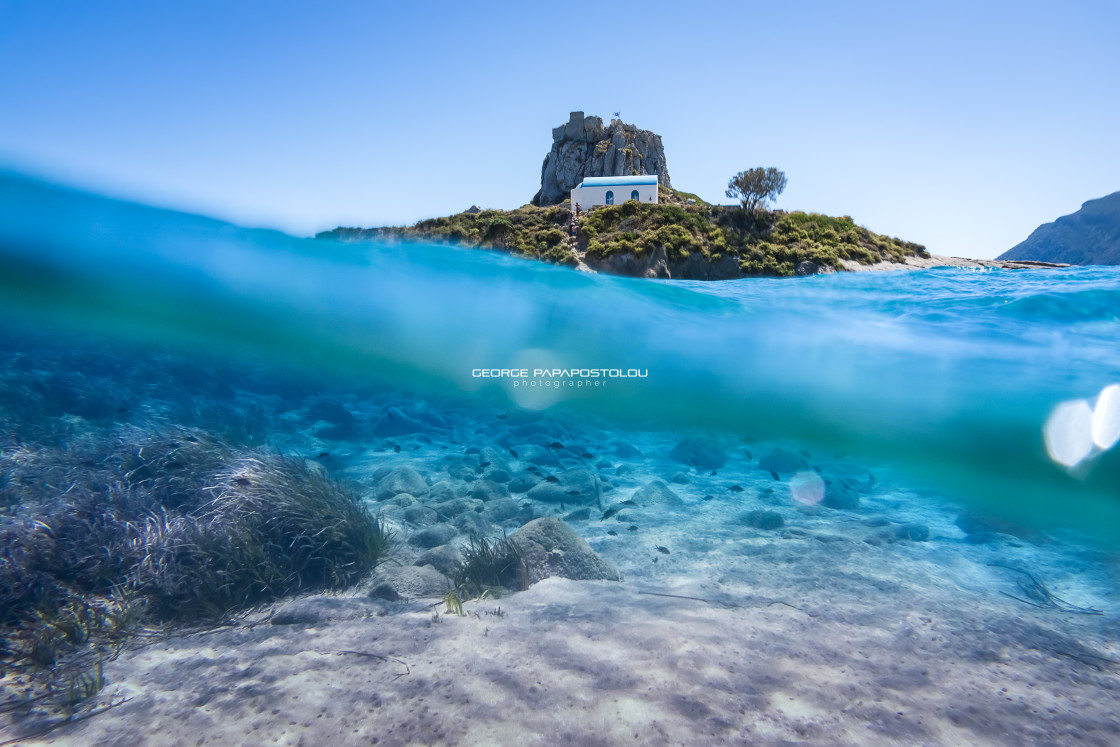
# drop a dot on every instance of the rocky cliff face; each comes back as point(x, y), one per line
point(1091, 236)
point(584, 147)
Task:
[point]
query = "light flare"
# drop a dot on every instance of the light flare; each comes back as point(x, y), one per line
point(807, 488)
point(1077, 431)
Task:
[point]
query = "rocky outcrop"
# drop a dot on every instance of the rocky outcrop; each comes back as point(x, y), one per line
point(761, 519)
point(409, 582)
point(782, 461)
point(656, 493)
point(1091, 236)
point(577, 486)
point(401, 480)
point(702, 452)
point(550, 547)
point(585, 147)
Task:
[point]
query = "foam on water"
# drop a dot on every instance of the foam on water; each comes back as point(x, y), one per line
point(1000, 386)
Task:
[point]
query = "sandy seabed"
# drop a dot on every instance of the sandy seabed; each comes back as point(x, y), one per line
point(795, 641)
point(599, 663)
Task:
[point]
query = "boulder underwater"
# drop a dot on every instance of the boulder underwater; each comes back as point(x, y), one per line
point(701, 452)
point(550, 547)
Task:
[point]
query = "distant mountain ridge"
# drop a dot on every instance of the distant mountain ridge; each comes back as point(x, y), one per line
point(1091, 236)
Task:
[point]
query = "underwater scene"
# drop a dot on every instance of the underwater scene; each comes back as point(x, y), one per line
point(256, 489)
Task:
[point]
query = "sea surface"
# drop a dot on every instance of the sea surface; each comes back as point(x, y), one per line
point(929, 438)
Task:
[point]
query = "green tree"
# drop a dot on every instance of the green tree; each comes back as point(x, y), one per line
point(755, 187)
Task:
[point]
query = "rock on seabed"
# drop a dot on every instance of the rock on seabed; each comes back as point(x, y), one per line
point(551, 548)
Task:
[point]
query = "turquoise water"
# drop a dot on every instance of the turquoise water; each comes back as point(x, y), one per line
point(948, 376)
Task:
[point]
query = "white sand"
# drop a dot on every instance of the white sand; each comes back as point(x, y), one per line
point(880, 646)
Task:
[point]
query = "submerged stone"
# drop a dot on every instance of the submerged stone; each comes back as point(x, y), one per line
point(497, 474)
point(912, 532)
point(485, 490)
point(538, 455)
point(841, 494)
point(461, 469)
point(494, 458)
point(580, 514)
point(541, 429)
point(656, 493)
point(444, 558)
point(472, 523)
point(972, 522)
point(452, 508)
point(420, 515)
point(702, 452)
point(396, 423)
point(401, 480)
point(576, 486)
point(782, 462)
point(433, 536)
point(441, 491)
point(329, 410)
point(501, 509)
point(902, 533)
point(318, 609)
point(409, 582)
point(404, 500)
point(763, 519)
point(551, 548)
point(627, 450)
point(523, 483)
point(340, 421)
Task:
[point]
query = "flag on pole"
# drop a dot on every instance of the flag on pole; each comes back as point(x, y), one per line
point(618, 114)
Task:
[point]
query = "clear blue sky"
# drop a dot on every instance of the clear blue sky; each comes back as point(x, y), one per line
point(961, 125)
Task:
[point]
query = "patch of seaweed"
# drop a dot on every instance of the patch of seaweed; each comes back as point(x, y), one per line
point(1038, 595)
point(489, 567)
point(271, 527)
point(175, 525)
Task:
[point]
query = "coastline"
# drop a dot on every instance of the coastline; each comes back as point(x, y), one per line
point(936, 260)
point(657, 265)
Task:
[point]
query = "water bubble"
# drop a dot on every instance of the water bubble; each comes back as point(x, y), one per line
point(1106, 418)
point(807, 488)
point(1068, 432)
